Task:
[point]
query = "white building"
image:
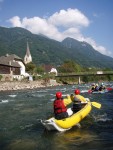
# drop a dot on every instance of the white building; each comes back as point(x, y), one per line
point(53, 70)
point(27, 58)
point(12, 66)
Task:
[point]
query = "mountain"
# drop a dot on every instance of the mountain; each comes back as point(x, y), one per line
point(48, 51)
point(86, 54)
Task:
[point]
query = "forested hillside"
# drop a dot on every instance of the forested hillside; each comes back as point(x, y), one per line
point(48, 51)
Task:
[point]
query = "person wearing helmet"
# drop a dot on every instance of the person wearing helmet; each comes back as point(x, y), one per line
point(93, 87)
point(96, 88)
point(76, 99)
point(60, 110)
point(102, 87)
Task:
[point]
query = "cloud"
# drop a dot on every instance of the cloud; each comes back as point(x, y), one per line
point(69, 18)
point(97, 47)
point(37, 25)
point(62, 24)
point(15, 21)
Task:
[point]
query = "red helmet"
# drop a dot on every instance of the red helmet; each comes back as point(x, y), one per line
point(59, 95)
point(77, 91)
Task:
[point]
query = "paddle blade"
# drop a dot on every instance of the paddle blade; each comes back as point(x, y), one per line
point(109, 88)
point(95, 104)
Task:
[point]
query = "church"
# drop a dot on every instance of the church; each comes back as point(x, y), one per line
point(12, 66)
point(27, 58)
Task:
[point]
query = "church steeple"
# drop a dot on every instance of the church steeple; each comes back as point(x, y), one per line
point(27, 58)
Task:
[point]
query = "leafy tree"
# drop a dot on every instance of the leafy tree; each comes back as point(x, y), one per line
point(39, 69)
point(85, 79)
point(69, 66)
point(30, 67)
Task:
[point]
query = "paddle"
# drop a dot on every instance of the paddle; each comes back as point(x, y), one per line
point(95, 104)
point(109, 88)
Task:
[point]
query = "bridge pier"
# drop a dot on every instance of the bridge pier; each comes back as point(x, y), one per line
point(79, 80)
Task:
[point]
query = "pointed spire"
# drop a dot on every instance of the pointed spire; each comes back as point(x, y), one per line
point(27, 58)
point(28, 51)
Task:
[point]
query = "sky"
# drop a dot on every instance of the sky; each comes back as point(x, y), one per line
point(84, 20)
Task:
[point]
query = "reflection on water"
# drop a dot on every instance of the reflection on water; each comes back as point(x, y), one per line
point(25, 144)
point(72, 139)
point(21, 129)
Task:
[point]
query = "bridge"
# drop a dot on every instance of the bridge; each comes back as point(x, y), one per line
point(98, 73)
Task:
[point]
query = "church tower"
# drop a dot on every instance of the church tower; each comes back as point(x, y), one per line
point(27, 58)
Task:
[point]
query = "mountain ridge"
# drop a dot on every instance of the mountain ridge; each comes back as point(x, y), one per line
point(48, 51)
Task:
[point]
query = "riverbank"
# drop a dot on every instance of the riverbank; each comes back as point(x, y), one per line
point(16, 85)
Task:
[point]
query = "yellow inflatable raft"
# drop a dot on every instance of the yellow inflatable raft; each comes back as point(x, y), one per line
point(67, 123)
point(75, 118)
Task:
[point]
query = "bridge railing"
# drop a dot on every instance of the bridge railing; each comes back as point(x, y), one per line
point(86, 73)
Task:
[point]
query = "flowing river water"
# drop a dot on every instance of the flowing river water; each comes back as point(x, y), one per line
point(21, 129)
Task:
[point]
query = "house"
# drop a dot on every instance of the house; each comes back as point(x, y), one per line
point(50, 69)
point(12, 66)
point(53, 70)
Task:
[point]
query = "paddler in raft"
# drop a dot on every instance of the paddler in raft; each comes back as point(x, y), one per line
point(93, 87)
point(102, 87)
point(60, 109)
point(77, 99)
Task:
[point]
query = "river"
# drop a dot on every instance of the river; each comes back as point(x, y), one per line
point(21, 129)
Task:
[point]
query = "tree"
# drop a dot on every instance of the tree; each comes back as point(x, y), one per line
point(69, 66)
point(30, 67)
point(39, 70)
point(85, 79)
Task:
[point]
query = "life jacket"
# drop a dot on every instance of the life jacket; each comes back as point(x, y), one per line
point(77, 103)
point(76, 100)
point(96, 88)
point(59, 106)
